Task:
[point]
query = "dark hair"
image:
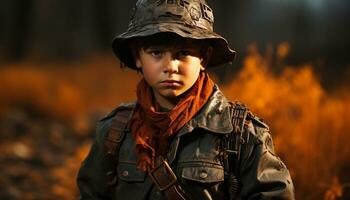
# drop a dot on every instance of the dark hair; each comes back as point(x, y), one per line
point(163, 39)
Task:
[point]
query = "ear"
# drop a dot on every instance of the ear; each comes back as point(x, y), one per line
point(138, 63)
point(206, 57)
point(202, 67)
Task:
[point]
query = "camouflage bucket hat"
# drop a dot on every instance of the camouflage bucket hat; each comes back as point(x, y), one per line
point(187, 18)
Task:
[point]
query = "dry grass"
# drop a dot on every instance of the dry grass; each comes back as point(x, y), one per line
point(310, 127)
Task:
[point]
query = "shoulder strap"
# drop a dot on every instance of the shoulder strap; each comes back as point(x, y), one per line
point(113, 142)
point(233, 142)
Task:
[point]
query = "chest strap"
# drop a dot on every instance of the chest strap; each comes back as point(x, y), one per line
point(166, 181)
point(233, 143)
point(162, 175)
point(113, 142)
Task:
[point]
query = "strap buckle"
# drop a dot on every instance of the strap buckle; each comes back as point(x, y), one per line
point(162, 175)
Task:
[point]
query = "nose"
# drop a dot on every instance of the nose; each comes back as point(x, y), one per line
point(171, 63)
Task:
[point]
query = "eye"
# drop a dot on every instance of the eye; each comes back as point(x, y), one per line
point(156, 53)
point(183, 53)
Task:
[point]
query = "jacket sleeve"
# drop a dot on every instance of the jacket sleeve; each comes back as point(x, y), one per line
point(263, 175)
point(92, 179)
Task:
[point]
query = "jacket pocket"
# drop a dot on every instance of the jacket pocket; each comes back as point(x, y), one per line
point(129, 173)
point(202, 172)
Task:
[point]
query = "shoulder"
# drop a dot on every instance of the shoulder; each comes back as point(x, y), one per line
point(257, 121)
point(105, 122)
point(258, 132)
point(249, 115)
point(255, 128)
point(122, 107)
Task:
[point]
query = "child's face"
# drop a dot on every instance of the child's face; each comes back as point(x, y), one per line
point(170, 71)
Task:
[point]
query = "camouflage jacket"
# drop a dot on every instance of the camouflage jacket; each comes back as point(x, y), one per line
point(195, 150)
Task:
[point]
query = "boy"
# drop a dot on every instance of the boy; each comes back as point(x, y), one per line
point(182, 139)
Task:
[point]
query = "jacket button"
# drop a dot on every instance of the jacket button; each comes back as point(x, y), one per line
point(203, 174)
point(125, 173)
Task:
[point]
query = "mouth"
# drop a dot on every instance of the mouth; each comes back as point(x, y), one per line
point(170, 83)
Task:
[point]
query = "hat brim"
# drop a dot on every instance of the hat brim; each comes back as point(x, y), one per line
point(222, 53)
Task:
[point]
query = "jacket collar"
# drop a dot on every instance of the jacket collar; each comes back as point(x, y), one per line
point(215, 116)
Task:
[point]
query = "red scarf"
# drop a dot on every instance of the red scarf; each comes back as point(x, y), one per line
point(151, 129)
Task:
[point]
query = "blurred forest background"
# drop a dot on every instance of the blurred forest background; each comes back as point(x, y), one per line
point(58, 76)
